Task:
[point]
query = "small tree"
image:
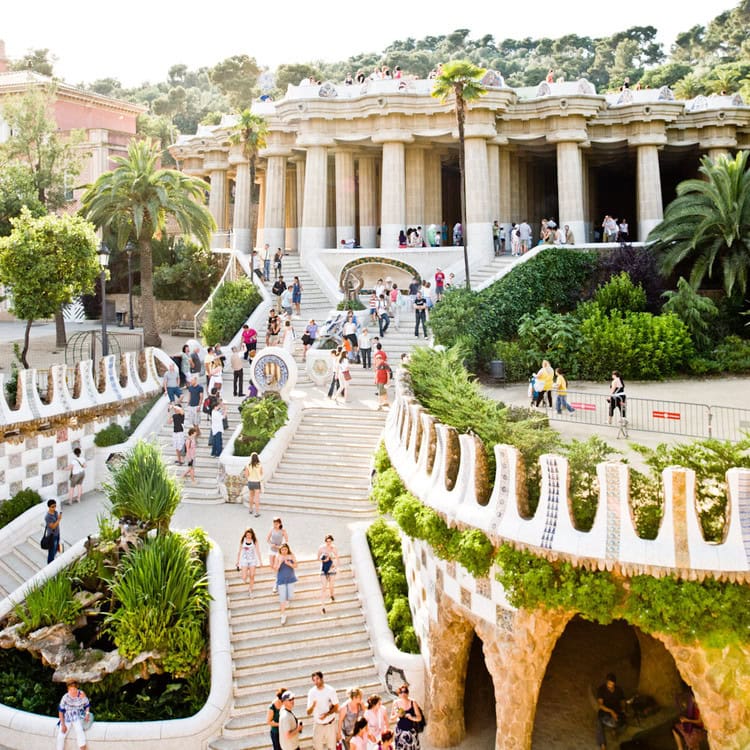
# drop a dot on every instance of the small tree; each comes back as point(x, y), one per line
point(47, 261)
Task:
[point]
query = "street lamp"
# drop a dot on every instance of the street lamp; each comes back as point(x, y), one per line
point(103, 263)
point(129, 250)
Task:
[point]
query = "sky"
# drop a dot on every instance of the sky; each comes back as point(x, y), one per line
point(139, 40)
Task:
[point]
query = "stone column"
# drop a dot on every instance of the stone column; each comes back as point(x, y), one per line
point(717, 153)
point(368, 204)
point(650, 208)
point(274, 232)
point(493, 167)
point(331, 210)
point(260, 181)
point(241, 240)
point(216, 164)
point(291, 210)
point(415, 187)
point(393, 208)
point(314, 214)
point(433, 198)
point(506, 191)
point(299, 164)
point(515, 198)
point(522, 189)
point(570, 189)
point(345, 196)
point(478, 230)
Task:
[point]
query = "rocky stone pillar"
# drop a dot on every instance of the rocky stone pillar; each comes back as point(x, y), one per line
point(650, 208)
point(241, 240)
point(393, 192)
point(216, 164)
point(478, 230)
point(570, 189)
point(415, 187)
point(368, 202)
point(274, 229)
point(345, 195)
point(433, 199)
point(314, 214)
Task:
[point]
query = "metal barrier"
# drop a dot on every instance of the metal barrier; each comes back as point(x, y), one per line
point(650, 415)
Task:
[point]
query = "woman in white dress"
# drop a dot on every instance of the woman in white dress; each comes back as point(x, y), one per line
point(248, 558)
point(288, 337)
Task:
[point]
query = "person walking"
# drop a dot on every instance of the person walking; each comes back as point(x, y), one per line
point(254, 477)
point(284, 566)
point(408, 717)
point(377, 720)
point(195, 399)
point(177, 417)
point(365, 349)
point(382, 376)
point(266, 257)
point(308, 337)
point(73, 711)
point(77, 469)
point(218, 415)
point(276, 536)
point(616, 396)
point(561, 386)
point(273, 328)
point(345, 375)
point(359, 739)
point(191, 447)
point(290, 728)
point(420, 312)
point(329, 559)
point(544, 380)
point(277, 257)
point(278, 289)
point(323, 706)
point(248, 558)
point(352, 710)
point(288, 337)
point(171, 382)
point(383, 319)
point(249, 340)
point(272, 717)
point(297, 290)
point(185, 366)
point(335, 383)
point(286, 302)
point(52, 529)
point(237, 363)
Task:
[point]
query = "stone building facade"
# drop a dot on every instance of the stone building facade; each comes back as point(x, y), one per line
point(366, 161)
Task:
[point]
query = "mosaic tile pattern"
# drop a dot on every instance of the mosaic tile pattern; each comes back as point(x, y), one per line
point(48, 480)
point(679, 518)
point(483, 587)
point(743, 503)
point(553, 505)
point(612, 545)
point(47, 452)
point(466, 597)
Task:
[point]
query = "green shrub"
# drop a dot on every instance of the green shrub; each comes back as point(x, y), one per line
point(583, 458)
point(231, 306)
point(640, 345)
point(697, 312)
point(448, 319)
point(112, 434)
point(475, 552)
point(141, 412)
point(190, 271)
point(381, 460)
point(407, 640)
point(406, 512)
point(262, 418)
point(620, 294)
point(387, 487)
point(350, 304)
point(26, 684)
point(553, 336)
point(399, 615)
point(519, 364)
point(17, 505)
point(733, 355)
point(47, 604)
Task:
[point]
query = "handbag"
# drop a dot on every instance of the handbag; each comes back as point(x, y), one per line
point(347, 375)
point(46, 541)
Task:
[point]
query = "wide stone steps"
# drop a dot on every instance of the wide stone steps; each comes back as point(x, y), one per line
point(480, 275)
point(24, 559)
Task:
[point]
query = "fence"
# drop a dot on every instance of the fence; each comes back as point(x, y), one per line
point(650, 415)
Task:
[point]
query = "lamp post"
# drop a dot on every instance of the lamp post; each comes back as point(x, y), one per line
point(129, 250)
point(103, 263)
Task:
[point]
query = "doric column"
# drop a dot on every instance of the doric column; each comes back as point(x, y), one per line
point(345, 196)
point(331, 210)
point(314, 203)
point(493, 167)
point(368, 203)
point(433, 197)
point(570, 200)
point(260, 181)
point(216, 164)
point(478, 229)
point(717, 153)
point(299, 164)
point(522, 190)
point(515, 197)
point(415, 186)
point(393, 192)
point(650, 208)
point(506, 190)
point(291, 210)
point(274, 232)
point(241, 240)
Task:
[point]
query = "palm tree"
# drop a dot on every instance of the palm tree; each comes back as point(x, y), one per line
point(461, 79)
point(709, 222)
point(251, 132)
point(135, 200)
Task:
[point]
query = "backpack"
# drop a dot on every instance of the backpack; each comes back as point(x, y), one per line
point(208, 405)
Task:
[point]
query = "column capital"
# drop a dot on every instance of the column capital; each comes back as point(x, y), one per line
point(574, 135)
point(392, 136)
point(648, 139)
point(215, 160)
point(311, 140)
point(269, 151)
point(478, 130)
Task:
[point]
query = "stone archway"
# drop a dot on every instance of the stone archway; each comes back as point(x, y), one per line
point(479, 700)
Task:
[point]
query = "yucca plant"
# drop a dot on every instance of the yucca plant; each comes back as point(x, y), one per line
point(50, 603)
point(162, 597)
point(142, 490)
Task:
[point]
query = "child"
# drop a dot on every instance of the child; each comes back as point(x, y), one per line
point(248, 558)
point(561, 385)
point(373, 308)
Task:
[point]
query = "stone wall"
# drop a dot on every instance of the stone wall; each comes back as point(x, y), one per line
point(168, 312)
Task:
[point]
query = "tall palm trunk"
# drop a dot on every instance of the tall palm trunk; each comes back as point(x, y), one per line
point(251, 223)
point(148, 309)
point(462, 177)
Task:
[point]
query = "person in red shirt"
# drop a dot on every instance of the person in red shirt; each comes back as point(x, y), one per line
point(439, 285)
point(382, 376)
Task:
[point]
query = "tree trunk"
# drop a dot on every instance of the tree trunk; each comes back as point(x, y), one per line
point(61, 338)
point(252, 214)
point(25, 349)
point(148, 308)
point(462, 177)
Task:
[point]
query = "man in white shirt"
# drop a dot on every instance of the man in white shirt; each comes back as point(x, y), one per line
point(323, 706)
point(524, 235)
point(289, 728)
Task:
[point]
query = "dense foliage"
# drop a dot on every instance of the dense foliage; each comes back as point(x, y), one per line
point(231, 306)
point(17, 505)
point(47, 604)
point(262, 417)
point(114, 434)
point(188, 272)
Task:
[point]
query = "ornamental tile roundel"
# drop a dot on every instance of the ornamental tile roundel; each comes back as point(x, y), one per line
point(274, 370)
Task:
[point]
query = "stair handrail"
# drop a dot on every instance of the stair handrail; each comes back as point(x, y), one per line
point(228, 275)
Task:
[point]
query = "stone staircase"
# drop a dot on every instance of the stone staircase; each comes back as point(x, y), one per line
point(22, 561)
point(267, 656)
point(325, 470)
point(499, 263)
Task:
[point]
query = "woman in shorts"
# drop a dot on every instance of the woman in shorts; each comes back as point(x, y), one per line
point(276, 536)
point(329, 563)
point(191, 446)
point(254, 477)
point(77, 469)
point(248, 558)
point(284, 565)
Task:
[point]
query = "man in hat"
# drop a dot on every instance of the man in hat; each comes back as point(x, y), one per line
point(289, 727)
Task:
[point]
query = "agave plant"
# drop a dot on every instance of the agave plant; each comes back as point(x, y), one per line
point(162, 597)
point(142, 490)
